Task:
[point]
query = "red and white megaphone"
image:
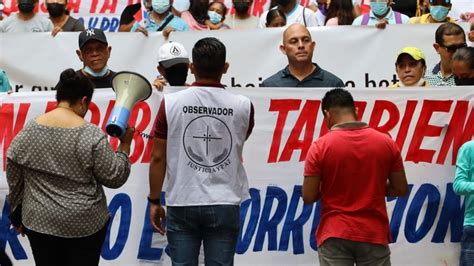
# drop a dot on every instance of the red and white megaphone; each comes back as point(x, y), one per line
point(130, 88)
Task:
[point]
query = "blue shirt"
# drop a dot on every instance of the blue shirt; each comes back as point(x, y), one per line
point(4, 82)
point(319, 78)
point(464, 180)
point(176, 23)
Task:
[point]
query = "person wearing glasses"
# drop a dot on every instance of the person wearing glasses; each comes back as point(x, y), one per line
point(448, 38)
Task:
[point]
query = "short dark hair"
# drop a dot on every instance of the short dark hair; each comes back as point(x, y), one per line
point(465, 54)
point(72, 87)
point(448, 29)
point(337, 98)
point(209, 57)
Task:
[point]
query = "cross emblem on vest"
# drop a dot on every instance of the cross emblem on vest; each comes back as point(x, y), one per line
point(207, 141)
point(207, 138)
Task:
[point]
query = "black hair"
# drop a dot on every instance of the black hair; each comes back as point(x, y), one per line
point(209, 57)
point(223, 6)
point(341, 9)
point(198, 8)
point(274, 13)
point(72, 87)
point(337, 98)
point(465, 54)
point(448, 29)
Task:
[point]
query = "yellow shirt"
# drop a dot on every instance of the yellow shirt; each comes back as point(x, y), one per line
point(397, 85)
point(425, 19)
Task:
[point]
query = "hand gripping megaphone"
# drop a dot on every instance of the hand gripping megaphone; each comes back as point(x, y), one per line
point(129, 88)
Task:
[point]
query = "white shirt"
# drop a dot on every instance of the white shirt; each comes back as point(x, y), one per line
point(296, 16)
point(207, 128)
point(38, 23)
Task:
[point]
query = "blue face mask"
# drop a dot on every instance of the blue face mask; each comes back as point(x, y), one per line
point(214, 17)
point(94, 74)
point(379, 8)
point(439, 13)
point(160, 6)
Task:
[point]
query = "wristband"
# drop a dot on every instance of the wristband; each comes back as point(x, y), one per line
point(154, 201)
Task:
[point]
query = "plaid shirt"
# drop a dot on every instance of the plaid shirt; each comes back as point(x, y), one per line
point(435, 78)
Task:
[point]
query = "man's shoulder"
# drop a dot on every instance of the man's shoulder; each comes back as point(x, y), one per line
point(331, 79)
point(274, 80)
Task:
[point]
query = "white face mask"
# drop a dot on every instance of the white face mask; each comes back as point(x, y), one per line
point(94, 74)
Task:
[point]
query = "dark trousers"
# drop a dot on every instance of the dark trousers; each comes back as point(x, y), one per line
point(216, 226)
point(467, 246)
point(51, 250)
point(4, 259)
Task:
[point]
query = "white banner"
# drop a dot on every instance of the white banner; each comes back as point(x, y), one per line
point(277, 228)
point(360, 56)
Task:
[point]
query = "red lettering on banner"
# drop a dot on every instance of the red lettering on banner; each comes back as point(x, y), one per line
point(131, 2)
point(42, 8)
point(95, 113)
point(51, 105)
point(459, 131)
point(283, 107)
point(141, 126)
point(74, 5)
point(307, 121)
point(380, 107)
point(109, 5)
point(424, 129)
point(93, 6)
point(405, 125)
point(8, 129)
point(258, 7)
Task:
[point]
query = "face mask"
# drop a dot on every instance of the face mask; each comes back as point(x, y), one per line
point(214, 17)
point(94, 74)
point(379, 8)
point(26, 6)
point(242, 7)
point(176, 77)
point(160, 6)
point(464, 81)
point(283, 2)
point(439, 13)
point(56, 10)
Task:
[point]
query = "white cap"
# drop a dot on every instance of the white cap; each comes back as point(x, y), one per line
point(172, 53)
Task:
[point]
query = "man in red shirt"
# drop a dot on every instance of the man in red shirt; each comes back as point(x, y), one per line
point(351, 169)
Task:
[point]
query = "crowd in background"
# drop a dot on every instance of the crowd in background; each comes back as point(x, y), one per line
point(167, 16)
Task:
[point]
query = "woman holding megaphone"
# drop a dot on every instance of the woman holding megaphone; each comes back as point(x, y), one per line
point(57, 166)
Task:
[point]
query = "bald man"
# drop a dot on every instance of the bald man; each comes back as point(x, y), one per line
point(298, 46)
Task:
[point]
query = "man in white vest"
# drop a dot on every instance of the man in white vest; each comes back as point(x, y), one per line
point(199, 138)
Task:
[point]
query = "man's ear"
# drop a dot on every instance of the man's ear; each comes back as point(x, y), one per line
point(110, 50)
point(79, 54)
point(436, 46)
point(226, 67)
point(161, 70)
point(192, 68)
point(356, 111)
point(283, 49)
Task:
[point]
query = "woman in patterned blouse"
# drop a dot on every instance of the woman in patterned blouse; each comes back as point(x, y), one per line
point(57, 166)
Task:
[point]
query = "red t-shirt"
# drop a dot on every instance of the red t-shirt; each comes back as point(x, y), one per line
point(354, 165)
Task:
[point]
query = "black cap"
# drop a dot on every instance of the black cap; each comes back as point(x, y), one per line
point(91, 34)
